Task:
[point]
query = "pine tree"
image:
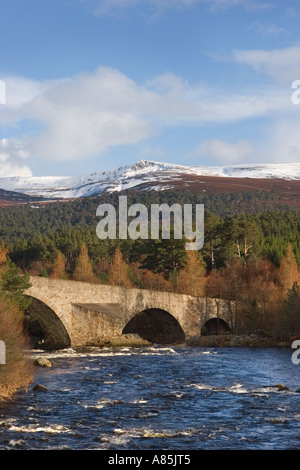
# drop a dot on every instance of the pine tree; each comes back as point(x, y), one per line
point(59, 267)
point(3, 254)
point(118, 273)
point(288, 272)
point(211, 238)
point(164, 255)
point(13, 284)
point(155, 281)
point(291, 310)
point(191, 279)
point(83, 271)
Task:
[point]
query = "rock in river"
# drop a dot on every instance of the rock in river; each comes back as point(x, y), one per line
point(43, 362)
point(40, 388)
point(279, 387)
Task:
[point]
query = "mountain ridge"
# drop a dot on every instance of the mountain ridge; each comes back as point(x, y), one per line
point(143, 174)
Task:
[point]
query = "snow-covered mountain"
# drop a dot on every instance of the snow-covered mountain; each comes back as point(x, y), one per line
point(144, 172)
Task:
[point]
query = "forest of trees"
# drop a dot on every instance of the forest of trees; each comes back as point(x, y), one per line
point(250, 255)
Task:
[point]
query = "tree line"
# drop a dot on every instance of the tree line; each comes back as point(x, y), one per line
point(238, 236)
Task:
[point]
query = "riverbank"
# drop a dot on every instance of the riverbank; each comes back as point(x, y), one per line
point(222, 340)
point(251, 340)
point(16, 374)
point(7, 391)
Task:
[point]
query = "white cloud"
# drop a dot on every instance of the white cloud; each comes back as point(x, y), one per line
point(222, 152)
point(267, 29)
point(21, 92)
point(175, 101)
point(249, 5)
point(85, 116)
point(281, 64)
point(12, 159)
point(291, 12)
point(103, 7)
point(282, 142)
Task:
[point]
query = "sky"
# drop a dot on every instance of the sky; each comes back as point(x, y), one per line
point(90, 85)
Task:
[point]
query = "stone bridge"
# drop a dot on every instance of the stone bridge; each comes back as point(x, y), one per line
point(70, 313)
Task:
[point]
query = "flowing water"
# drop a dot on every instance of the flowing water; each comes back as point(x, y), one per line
point(164, 398)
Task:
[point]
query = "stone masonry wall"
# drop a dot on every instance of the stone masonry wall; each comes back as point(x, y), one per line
point(63, 295)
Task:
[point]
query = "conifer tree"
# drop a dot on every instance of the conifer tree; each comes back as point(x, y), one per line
point(191, 279)
point(155, 281)
point(288, 272)
point(83, 270)
point(59, 267)
point(163, 255)
point(3, 254)
point(211, 237)
point(13, 284)
point(291, 310)
point(118, 273)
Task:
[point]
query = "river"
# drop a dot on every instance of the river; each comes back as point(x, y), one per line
point(185, 398)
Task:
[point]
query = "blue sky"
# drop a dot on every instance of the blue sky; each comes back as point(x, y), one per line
point(96, 84)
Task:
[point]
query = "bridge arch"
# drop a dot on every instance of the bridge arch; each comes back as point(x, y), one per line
point(156, 325)
point(215, 326)
point(44, 326)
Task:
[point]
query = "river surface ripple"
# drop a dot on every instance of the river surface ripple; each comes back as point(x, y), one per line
point(165, 398)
